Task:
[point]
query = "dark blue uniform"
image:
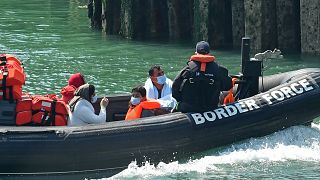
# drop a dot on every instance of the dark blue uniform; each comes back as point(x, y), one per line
point(198, 91)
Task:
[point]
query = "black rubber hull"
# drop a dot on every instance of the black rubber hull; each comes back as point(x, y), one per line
point(161, 138)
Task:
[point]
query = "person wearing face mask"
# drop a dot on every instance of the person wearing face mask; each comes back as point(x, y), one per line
point(198, 85)
point(139, 102)
point(81, 110)
point(158, 86)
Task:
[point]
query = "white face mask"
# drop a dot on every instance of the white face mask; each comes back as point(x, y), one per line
point(161, 79)
point(135, 101)
point(94, 99)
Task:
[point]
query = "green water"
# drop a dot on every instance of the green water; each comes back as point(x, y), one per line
point(54, 40)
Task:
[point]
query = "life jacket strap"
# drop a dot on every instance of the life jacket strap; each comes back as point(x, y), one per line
point(203, 67)
point(4, 83)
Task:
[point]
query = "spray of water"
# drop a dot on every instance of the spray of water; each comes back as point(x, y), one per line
point(298, 143)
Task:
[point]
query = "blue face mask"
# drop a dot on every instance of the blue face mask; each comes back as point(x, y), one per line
point(135, 101)
point(161, 79)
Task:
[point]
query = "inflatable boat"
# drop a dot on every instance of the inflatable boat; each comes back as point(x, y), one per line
point(283, 100)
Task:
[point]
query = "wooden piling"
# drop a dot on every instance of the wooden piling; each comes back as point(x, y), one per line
point(126, 26)
point(111, 16)
point(310, 26)
point(260, 24)
point(237, 22)
point(220, 24)
point(201, 20)
point(288, 25)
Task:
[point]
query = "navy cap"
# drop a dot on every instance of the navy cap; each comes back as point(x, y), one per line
point(203, 47)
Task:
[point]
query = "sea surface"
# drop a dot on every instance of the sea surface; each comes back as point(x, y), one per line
point(53, 38)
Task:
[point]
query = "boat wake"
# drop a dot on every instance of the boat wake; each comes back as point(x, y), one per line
point(297, 143)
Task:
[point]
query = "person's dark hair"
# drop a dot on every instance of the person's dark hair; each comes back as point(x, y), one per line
point(91, 90)
point(151, 70)
point(140, 89)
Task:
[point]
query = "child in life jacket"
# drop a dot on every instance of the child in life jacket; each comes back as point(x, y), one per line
point(139, 102)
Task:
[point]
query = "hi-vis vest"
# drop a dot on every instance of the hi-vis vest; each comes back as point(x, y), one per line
point(41, 110)
point(135, 113)
point(12, 77)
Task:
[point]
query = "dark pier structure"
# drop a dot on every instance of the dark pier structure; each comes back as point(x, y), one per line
point(290, 25)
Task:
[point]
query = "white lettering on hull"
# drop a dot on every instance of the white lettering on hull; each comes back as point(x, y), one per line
point(287, 92)
point(281, 94)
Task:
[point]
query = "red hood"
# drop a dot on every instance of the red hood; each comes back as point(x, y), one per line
point(76, 80)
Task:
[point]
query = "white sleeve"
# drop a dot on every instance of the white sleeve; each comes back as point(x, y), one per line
point(88, 116)
point(168, 101)
point(167, 89)
point(149, 89)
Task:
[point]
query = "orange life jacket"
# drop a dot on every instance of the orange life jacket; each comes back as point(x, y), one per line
point(135, 112)
point(203, 59)
point(11, 92)
point(12, 77)
point(229, 97)
point(41, 110)
point(24, 110)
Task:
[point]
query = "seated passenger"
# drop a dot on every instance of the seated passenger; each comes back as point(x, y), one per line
point(81, 110)
point(139, 102)
point(75, 81)
point(159, 87)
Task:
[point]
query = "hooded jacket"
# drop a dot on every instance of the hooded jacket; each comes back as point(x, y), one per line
point(75, 81)
point(81, 111)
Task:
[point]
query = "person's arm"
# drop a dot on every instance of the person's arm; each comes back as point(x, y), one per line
point(153, 104)
point(149, 89)
point(88, 115)
point(176, 85)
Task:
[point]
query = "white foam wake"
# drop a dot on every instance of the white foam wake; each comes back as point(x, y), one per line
point(296, 143)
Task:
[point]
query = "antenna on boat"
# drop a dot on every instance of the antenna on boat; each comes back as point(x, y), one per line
point(251, 69)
